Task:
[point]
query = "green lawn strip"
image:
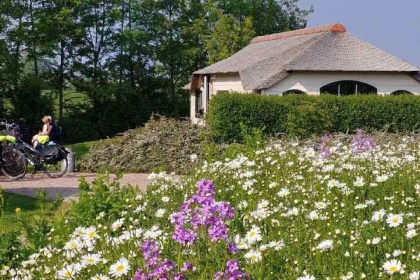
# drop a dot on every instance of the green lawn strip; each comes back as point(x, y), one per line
point(80, 149)
point(29, 207)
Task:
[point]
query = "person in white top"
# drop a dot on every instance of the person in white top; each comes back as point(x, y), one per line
point(43, 135)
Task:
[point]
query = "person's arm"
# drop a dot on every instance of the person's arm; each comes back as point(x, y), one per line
point(49, 128)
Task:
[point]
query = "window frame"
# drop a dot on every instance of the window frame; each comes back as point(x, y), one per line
point(357, 85)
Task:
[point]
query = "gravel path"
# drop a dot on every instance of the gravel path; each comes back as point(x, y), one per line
point(67, 185)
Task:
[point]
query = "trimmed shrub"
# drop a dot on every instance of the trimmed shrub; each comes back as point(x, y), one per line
point(304, 116)
point(163, 143)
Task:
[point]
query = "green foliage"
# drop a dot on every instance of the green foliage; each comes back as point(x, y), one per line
point(304, 116)
point(129, 58)
point(228, 37)
point(162, 143)
point(101, 196)
point(12, 250)
point(307, 119)
point(2, 202)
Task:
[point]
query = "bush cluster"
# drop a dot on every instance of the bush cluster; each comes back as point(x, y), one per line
point(163, 143)
point(307, 115)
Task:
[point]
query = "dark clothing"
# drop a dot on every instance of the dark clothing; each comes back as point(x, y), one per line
point(55, 132)
point(25, 133)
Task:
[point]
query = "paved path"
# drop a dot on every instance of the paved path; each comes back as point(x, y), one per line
point(67, 185)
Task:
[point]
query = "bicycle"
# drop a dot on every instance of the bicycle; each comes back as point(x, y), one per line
point(12, 162)
point(51, 159)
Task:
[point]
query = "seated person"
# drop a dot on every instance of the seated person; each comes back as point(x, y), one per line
point(55, 134)
point(43, 136)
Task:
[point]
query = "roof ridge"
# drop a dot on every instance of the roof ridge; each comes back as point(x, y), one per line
point(278, 77)
point(336, 27)
point(373, 49)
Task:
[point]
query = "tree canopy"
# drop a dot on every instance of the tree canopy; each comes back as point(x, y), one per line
point(128, 58)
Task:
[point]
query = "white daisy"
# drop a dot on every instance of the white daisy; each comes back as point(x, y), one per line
point(394, 220)
point(253, 256)
point(100, 277)
point(326, 245)
point(69, 271)
point(392, 267)
point(415, 275)
point(254, 235)
point(91, 259)
point(120, 268)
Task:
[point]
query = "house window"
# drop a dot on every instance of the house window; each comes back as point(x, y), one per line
point(293, 91)
point(348, 88)
point(401, 92)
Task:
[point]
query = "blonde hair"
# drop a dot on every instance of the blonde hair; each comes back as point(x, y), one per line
point(47, 119)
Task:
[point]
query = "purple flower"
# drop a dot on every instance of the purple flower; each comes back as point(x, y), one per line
point(177, 219)
point(232, 272)
point(140, 275)
point(150, 253)
point(184, 236)
point(361, 143)
point(218, 231)
point(206, 188)
point(187, 266)
point(232, 266)
point(232, 249)
point(156, 269)
point(202, 210)
point(324, 147)
point(226, 211)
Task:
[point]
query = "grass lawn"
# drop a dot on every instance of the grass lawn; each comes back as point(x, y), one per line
point(81, 149)
point(29, 207)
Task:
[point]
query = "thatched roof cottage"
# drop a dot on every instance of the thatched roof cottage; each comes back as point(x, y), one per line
point(306, 61)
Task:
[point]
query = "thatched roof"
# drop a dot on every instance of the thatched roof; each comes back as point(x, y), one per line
point(269, 59)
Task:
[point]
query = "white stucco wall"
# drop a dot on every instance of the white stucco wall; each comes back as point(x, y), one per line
point(221, 82)
point(311, 83)
point(226, 82)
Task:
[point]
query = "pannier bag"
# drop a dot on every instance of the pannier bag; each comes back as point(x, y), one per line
point(7, 138)
point(52, 154)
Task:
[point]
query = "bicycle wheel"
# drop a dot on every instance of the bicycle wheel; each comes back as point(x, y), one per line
point(56, 168)
point(14, 164)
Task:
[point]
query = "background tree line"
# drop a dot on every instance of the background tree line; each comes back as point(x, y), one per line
point(120, 59)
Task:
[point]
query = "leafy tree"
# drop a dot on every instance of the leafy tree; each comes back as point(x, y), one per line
point(228, 37)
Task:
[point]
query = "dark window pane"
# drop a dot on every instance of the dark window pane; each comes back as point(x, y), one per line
point(400, 92)
point(348, 88)
point(293, 91)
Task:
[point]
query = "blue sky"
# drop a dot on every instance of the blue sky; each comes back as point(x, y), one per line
point(393, 26)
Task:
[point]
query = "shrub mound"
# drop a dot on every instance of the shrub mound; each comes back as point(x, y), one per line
point(163, 143)
point(306, 115)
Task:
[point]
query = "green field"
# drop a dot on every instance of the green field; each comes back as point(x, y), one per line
point(29, 207)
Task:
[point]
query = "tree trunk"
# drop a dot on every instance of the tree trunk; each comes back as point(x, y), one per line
point(122, 43)
point(171, 62)
point(61, 81)
point(130, 59)
point(33, 40)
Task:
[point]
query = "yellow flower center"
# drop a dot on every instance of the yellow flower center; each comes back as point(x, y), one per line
point(252, 234)
point(68, 274)
point(91, 235)
point(120, 268)
point(253, 257)
point(90, 260)
point(395, 220)
point(393, 269)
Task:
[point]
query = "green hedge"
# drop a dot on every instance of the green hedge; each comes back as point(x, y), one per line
point(307, 115)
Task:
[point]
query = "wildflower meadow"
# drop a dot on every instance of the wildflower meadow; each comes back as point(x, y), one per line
point(338, 207)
